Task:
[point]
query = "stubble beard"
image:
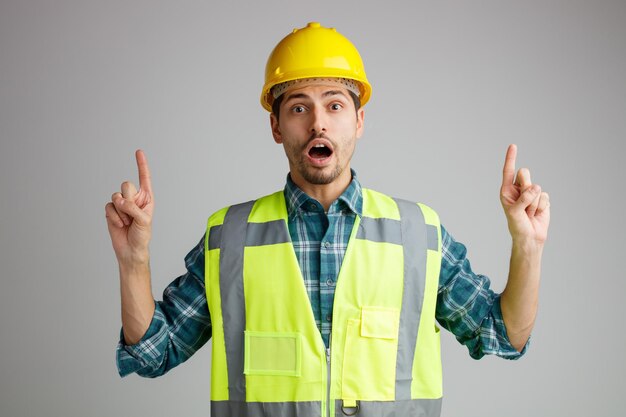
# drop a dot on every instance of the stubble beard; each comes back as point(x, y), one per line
point(318, 176)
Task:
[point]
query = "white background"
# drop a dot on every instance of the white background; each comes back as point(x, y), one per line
point(83, 84)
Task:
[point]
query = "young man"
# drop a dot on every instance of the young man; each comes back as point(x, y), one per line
point(322, 298)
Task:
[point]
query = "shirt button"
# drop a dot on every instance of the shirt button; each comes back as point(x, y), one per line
point(330, 282)
point(329, 318)
point(327, 244)
point(313, 206)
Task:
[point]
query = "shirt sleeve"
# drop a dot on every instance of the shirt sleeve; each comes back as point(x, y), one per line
point(180, 326)
point(468, 308)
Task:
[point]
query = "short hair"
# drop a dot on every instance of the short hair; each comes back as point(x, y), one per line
point(278, 101)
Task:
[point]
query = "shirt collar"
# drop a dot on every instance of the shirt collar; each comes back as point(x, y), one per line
point(298, 201)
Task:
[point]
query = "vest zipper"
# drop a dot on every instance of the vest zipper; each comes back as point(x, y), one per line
point(328, 382)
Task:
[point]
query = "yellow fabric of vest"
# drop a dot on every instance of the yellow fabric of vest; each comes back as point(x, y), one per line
point(284, 358)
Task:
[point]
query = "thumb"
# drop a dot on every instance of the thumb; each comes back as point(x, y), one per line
point(139, 216)
point(526, 198)
point(128, 190)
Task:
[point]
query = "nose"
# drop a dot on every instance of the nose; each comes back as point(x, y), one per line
point(318, 120)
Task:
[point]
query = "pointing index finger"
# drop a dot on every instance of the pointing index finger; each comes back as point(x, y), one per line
point(144, 171)
point(508, 172)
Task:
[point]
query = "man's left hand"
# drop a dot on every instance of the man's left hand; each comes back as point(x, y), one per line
point(526, 207)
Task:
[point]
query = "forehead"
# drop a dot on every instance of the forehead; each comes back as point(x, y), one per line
point(314, 90)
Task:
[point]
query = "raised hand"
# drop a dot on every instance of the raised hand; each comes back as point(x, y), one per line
point(526, 207)
point(129, 217)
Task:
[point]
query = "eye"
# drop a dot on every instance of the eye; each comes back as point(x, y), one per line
point(336, 106)
point(298, 109)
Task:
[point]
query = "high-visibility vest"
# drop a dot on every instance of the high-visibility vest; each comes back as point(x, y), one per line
point(268, 356)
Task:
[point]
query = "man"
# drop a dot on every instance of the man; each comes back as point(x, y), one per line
point(322, 298)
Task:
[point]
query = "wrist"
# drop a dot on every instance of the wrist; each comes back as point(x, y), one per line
point(135, 264)
point(527, 244)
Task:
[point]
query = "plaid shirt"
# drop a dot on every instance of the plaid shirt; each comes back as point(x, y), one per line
point(466, 306)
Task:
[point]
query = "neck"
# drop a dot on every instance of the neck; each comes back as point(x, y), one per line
point(326, 194)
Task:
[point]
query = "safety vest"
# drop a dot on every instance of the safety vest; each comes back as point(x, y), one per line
point(268, 357)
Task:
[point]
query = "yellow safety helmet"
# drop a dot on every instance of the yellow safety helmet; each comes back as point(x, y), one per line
point(314, 52)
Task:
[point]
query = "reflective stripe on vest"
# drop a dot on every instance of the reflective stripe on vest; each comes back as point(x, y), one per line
point(420, 407)
point(268, 355)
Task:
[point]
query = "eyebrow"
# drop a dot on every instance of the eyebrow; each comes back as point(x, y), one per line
point(324, 95)
point(333, 93)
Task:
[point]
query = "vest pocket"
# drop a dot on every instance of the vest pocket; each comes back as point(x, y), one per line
point(269, 353)
point(369, 358)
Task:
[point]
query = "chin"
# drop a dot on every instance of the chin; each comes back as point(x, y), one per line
point(321, 177)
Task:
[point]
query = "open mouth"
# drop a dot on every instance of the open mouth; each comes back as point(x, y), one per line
point(320, 151)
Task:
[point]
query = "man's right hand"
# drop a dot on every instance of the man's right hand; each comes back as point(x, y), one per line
point(129, 217)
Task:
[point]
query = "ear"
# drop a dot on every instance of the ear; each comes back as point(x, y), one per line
point(278, 138)
point(360, 115)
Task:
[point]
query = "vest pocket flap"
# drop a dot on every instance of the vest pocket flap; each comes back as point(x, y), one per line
point(380, 322)
point(268, 353)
